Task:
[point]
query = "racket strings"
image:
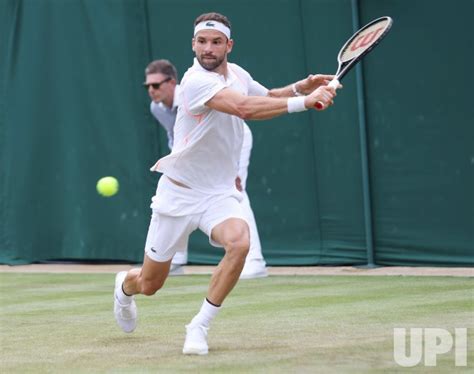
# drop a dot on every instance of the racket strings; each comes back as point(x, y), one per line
point(364, 40)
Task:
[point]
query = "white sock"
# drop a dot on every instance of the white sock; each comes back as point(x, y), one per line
point(206, 314)
point(121, 297)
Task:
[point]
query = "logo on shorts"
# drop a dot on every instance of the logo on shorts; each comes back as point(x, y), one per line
point(152, 249)
point(210, 24)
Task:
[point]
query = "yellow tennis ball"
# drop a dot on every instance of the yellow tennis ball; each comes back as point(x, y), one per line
point(107, 186)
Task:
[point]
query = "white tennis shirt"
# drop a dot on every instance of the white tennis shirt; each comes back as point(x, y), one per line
point(207, 143)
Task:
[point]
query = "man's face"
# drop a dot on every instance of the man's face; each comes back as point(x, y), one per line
point(164, 92)
point(211, 48)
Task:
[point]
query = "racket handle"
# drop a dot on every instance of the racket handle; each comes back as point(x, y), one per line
point(319, 105)
point(334, 84)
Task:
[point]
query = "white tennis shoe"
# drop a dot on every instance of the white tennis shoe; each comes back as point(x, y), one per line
point(125, 314)
point(196, 340)
point(254, 269)
point(176, 269)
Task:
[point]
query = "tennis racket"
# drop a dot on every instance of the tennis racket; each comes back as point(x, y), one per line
point(360, 44)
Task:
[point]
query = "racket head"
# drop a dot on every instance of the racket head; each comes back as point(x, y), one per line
point(362, 42)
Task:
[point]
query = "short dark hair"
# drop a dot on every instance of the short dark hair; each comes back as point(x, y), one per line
point(162, 66)
point(213, 16)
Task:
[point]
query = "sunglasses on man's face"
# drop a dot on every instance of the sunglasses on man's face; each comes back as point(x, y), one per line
point(156, 86)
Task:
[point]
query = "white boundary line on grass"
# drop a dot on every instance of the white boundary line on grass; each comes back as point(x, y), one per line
point(275, 270)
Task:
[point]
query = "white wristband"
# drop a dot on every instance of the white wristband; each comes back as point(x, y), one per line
point(296, 104)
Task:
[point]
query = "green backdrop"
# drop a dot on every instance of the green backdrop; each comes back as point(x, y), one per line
point(72, 110)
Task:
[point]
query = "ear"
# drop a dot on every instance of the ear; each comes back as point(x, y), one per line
point(230, 45)
point(192, 44)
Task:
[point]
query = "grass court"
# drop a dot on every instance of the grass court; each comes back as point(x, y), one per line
point(64, 323)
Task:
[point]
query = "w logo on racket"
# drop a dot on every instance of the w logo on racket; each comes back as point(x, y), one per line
point(367, 39)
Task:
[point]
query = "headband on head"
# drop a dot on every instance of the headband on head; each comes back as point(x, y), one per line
point(212, 25)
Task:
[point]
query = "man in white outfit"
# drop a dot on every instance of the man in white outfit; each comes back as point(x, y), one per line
point(164, 107)
point(197, 189)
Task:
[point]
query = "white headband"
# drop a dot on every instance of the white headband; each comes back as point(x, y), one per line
point(212, 25)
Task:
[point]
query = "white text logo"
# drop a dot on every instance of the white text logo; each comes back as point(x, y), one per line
point(436, 341)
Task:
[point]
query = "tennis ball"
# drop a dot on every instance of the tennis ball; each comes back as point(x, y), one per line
point(107, 186)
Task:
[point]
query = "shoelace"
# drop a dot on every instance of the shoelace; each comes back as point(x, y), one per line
point(125, 311)
point(199, 332)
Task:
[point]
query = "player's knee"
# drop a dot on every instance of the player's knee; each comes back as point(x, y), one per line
point(149, 287)
point(238, 248)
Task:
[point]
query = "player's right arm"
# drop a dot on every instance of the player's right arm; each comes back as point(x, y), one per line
point(232, 102)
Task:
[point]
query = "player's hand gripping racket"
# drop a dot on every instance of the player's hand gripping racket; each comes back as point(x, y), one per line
point(361, 43)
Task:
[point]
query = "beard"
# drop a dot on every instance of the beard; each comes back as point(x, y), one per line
point(211, 63)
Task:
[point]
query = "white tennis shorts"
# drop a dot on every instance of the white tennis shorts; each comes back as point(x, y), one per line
point(178, 211)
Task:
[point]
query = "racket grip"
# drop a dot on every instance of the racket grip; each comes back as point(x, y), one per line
point(334, 84)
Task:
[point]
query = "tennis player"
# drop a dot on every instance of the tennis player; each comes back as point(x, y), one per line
point(161, 82)
point(197, 189)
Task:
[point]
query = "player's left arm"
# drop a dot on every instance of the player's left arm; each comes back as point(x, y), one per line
point(302, 87)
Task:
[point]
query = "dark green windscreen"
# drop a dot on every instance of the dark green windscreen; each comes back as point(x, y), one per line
point(72, 109)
